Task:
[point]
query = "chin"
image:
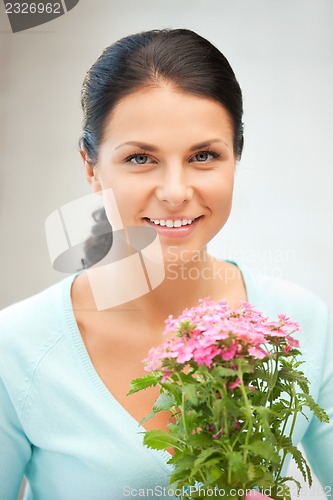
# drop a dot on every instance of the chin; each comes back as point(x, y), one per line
point(182, 255)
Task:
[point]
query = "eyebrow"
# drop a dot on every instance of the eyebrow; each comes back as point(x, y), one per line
point(206, 144)
point(150, 147)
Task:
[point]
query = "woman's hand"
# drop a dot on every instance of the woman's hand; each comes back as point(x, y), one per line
point(256, 495)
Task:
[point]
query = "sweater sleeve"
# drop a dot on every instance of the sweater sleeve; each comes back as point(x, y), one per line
point(318, 439)
point(15, 448)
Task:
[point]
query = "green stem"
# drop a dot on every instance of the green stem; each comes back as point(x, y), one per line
point(183, 413)
point(293, 398)
point(249, 415)
point(225, 415)
point(287, 419)
point(224, 394)
point(273, 379)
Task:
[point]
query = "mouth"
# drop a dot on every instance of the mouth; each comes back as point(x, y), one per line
point(175, 227)
point(172, 222)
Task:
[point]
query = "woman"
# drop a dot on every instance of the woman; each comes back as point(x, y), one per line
point(163, 132)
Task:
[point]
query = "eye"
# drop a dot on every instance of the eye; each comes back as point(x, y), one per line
point(139, 159)
point(204, 156)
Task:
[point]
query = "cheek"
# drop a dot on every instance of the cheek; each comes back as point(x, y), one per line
point(128, 198)
point(220, 194)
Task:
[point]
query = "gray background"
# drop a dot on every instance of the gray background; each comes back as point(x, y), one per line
point(282, 53)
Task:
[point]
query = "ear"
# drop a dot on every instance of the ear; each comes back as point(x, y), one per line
point(90, 171)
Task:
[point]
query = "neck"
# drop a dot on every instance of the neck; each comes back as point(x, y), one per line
point(188, 281)
point(184, 284)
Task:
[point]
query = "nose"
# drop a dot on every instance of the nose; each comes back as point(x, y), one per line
point(174, 187)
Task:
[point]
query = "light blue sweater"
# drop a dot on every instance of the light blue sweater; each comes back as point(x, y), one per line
point(62, 428)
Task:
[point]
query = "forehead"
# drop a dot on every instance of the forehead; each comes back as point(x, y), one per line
point(164, 111)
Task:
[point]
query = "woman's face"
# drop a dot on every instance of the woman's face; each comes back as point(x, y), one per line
point(168, 157)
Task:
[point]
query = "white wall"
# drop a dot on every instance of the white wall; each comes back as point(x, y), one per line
point(282, 53)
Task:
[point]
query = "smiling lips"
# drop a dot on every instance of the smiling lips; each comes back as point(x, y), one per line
point(171, 222)
point(174, 228)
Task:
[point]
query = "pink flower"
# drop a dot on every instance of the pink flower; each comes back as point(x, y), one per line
point(165, 376)
point(257, 352)
point(184, 354)
point(217, 364)
point(233, 385)
point(228, 354)
point(292, 342)
point(213, 331)
point(205, 356)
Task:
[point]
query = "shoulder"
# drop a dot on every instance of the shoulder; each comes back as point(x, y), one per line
point(33, 316)
point(28, 331)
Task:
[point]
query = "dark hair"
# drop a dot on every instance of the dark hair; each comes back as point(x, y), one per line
point(177, 56)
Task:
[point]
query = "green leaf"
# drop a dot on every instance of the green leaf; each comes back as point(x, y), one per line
point(281, 491)
point(174, 389)
point(183, 460)
point(263, 477)
point(138, 384)
point(292, 375)
point(301, 463)
point(187, 378)
point(261, 374)
point(284, 442)
point(190, 392)
point(265, 417)
point(281, 408)
point(233, 407)
point(193, 420)
point(160, 440)
point(218, 406)
point(183, 465)
point(277, 390)
point(243, 365)
point(238, 468)
point(214, 473)
point(298, 363)
point(200, 440)
point(289, 478)
point(221, 371)
point(206, 454)
point(148, 417)
point(164, 402)
point(315, 408)
point(251, 471)
point(265, 450)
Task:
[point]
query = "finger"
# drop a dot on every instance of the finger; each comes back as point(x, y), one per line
point(256, 495)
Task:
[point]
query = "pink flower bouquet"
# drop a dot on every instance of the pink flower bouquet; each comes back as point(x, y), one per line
point(231, 380)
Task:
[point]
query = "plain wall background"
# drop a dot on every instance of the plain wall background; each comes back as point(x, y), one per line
point(282, 53)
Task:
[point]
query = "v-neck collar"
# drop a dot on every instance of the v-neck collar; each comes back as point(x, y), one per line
point(85, 360)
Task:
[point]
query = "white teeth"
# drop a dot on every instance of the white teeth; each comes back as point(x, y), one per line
point(172, 223)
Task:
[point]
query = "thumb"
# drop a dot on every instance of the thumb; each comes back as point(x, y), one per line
point(256, 495)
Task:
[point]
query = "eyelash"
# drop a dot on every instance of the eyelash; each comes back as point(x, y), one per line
point(215, 156)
